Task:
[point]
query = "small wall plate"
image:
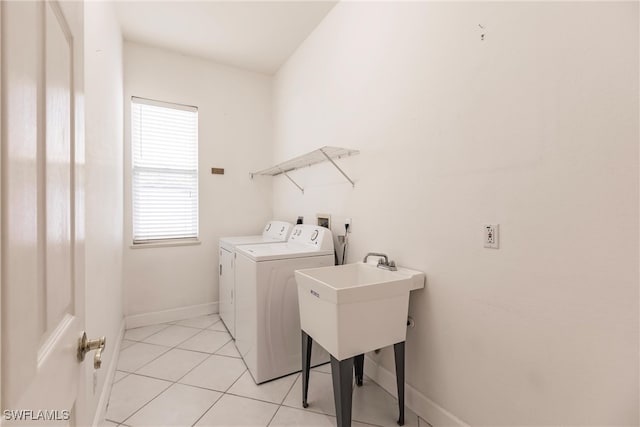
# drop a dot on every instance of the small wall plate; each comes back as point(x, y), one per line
point(323, 220)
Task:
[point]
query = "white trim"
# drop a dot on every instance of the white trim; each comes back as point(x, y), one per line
point(164, 104)
point(2, 202)
point(424, 407)
point(167, 243)
point(101, 410)
point(153, 318)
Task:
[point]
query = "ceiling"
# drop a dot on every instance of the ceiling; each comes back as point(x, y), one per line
point(253, 35)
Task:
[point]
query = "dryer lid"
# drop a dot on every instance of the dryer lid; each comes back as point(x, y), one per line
point(275, 251)
point(229, 243)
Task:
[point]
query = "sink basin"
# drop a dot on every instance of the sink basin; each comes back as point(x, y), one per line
point(355, 308)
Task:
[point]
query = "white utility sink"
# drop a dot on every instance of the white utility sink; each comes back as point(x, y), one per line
point(355, 308)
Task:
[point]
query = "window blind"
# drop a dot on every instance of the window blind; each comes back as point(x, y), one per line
point(164, 139)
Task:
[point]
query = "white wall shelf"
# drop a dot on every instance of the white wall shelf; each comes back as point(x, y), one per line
point(324, 154)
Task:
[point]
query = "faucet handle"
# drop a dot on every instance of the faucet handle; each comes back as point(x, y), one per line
point(392, 263)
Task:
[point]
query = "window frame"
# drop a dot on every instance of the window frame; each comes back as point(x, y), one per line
point(163, 241)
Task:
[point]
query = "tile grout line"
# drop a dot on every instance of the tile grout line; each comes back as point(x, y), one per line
point(289, 391)
point(152, 399)
point(274, 414)
point(167, 325)
point(393, 398)
point(226, 392)
point(208, 409)
point(321, 412)
point(222, 393)
point(159, 379)
point(175, 347)
point(186, 349)
point(205, 352)
point(198, 364)
point(153, 333)
point(197, 327)
point(168, 349)
point(283, 399)
point(126, 374)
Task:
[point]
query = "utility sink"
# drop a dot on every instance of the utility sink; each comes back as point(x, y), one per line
point(355, 308)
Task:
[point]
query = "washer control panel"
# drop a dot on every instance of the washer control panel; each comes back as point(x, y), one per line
point(277, 229)
point(312, 235)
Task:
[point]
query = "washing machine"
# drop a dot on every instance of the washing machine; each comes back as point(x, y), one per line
point(267, 315)
point(274, 231)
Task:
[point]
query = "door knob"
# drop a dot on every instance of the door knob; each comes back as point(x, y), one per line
point(85, 346)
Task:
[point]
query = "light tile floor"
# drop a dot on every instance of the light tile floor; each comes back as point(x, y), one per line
point(189, 373)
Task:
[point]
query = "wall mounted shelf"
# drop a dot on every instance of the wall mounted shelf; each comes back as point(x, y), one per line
point(324, 154)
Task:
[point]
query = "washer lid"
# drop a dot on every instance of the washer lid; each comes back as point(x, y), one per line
point(229, 243)
point(284, 250)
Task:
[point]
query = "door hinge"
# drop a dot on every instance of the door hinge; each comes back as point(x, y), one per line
point(220, 269)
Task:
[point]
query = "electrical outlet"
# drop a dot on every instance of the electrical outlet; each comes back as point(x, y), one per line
point(491, 235)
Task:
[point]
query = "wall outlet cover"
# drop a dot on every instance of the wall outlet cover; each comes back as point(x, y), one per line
point(491, 233)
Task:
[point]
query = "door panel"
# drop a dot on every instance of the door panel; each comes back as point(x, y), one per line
point(226, 286)
point(59, 285)
point(20, 260)
point(43, 272)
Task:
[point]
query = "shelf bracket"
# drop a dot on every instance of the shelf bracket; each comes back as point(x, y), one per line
point(294, 183)
point(337, 167)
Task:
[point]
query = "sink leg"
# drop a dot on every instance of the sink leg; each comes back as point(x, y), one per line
point(358, 364)
point(342, 374)
point(306, 365)
point(398, 350)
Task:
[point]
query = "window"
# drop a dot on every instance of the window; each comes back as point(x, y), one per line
point(164, 140)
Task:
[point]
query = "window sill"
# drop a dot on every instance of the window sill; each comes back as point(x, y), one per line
point(166, 244)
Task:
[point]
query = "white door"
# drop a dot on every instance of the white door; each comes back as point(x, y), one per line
point(226, 285)
point(42, 211)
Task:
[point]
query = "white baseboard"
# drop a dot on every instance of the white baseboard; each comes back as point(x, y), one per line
point(101, 410)
point(424, 407)
point(146, 319)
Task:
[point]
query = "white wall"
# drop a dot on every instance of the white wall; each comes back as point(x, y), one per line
point(534, 128)
point(103, 191)
point(234, 112)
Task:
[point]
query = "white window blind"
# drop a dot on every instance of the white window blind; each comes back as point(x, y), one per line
point(164, 139)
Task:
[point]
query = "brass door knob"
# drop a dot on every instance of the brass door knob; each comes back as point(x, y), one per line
point(85, 346)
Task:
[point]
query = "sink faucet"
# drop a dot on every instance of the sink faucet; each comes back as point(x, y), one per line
point(386, 264)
